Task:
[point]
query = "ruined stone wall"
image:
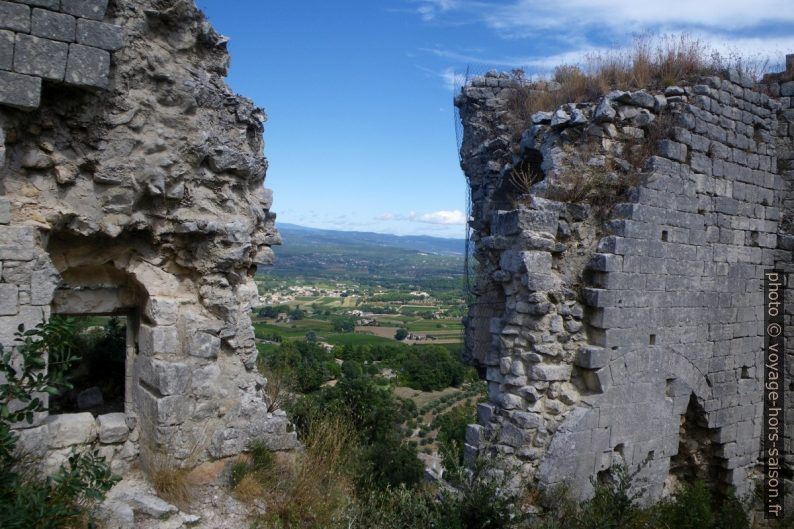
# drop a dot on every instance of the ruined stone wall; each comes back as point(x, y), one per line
point(142, 196)
point(626, 331)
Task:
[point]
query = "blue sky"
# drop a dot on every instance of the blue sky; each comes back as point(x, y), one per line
point(361, 132)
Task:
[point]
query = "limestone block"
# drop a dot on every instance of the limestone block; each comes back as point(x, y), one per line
point(112, 428)
point(49, 4)
point(163, 411)
point(168, 378)
point(71, 429)
point(93, 9)
point(88, 66)
point(5, 210)
point(49, 25)
point(485, 412)
point(34, 441)
point(592, 357)
point(511, 435)
point(6, 49)
point(550, 372)
point(20, 91)
point(673, 150)
point(787, 89)
point(156, 340)
point(162, 311)
point(99, 34)
point(9, 296)
point(151, 505)
point(41, 57)
point(14, 16)
point(204, 345)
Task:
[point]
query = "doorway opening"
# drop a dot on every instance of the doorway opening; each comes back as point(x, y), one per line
point(96, 383)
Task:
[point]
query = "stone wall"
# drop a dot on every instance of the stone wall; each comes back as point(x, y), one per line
point(54, 40)
point(626, 332)
point(142, 196)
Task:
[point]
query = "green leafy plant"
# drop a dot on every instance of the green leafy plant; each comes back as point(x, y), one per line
point(26, 498)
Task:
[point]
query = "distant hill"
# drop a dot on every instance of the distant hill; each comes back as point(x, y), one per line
point(364, 257)
point(294, 234)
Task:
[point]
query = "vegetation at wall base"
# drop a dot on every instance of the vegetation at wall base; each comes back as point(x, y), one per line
point(28, 499)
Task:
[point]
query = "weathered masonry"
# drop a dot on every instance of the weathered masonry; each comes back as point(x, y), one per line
point(131, 183)
point(628, 332)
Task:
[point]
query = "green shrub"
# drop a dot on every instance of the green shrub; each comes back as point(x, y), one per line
point(27, 499)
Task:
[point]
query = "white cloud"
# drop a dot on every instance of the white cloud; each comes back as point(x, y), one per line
point(522, 17)
point(454, 217)
point(430, 9)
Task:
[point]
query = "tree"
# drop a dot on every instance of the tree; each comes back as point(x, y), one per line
point(311, 337)
point(343, 324)
point(401, 334)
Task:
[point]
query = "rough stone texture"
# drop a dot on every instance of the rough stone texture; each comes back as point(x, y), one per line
point(40, 57)
point(50, 25)
point(611, 337)
point(94, 9)
point(71, 429)
point(146, 200)
point(19, 91)
point(6, 50)
point(37, 45)
point(100, 35)
point(14, 16)
point(87, 66)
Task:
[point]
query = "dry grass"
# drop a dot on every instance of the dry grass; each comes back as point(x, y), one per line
point(172, 483)
point(652, 62)
point(304, 490)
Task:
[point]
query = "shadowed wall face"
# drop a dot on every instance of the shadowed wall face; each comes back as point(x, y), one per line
point(630, 330)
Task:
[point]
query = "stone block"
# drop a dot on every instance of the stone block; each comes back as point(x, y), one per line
point(112, 428)
point(9, 298)
point(49, 25)
point(41, 57)
point(14, 16)
point(99, 34)
point(592, 357)
point(550, 372)
point(6, 50)
point(162, 311)
point(88, 66)
point(157, 340)
point(167, 378)
point(673, 150)
point(49, 4)
point(163, 411)
point(93, 9)
point(5, 210)
point(787, 89)
point(474, 434)
point(16, 242)
point(20, 91)
point(70, 429)
point(204, 345)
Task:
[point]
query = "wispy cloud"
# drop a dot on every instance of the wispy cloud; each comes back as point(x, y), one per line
point(430, 9)
point(521, 17)
point(454, 217)
point(572, 29)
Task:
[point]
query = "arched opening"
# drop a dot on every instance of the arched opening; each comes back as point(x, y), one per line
point(698, 454)
point(105, 305)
